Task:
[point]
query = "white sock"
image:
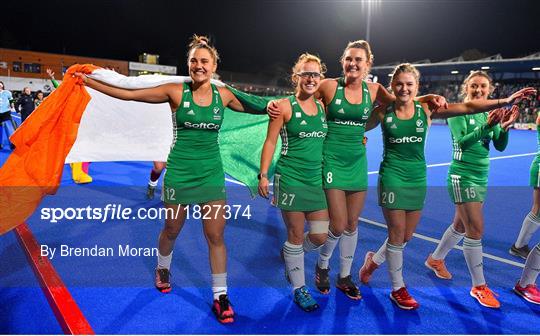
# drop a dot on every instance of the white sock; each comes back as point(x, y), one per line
point(219, 284)
point(294, 264)
point(347, 247)
point(531, 223)
point(532, 267)
point(164, 262)
point(394, 255)
point(380, 256)
point(472, 250)
point(327, 249)
point(449, 239)
point(153, 183)
point(308, 244)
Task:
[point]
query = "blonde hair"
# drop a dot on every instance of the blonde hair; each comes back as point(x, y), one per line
point(471, 75)
point(202, 42)
point(405, 67)
point(359, 44)
point(305, 58)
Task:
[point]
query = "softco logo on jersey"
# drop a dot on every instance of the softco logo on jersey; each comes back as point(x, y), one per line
point(209, 126)
point(401, 140)
point(348, 122)
point(314, 134)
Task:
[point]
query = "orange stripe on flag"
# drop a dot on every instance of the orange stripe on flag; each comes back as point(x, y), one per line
point(42, 143)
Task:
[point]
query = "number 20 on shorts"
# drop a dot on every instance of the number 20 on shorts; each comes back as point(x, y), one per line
point(388, 198)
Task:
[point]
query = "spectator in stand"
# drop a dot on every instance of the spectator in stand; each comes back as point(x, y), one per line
point(6, 106)
point(25, 104)
point(39, 98)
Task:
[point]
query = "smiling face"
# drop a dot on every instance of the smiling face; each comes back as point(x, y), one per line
point(27, 91)
point(477, 87)
point(309, 78)
point(405, 86)
point(355, 63)
point(201, 64)
point(40, 96)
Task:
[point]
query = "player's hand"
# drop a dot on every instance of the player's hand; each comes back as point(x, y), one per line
point(263, 187)
point(509, 117)
point(436, 102)
point(517, 97)
point(272, 108)
point(50, 73)
point(495, 117)
point(82, 78)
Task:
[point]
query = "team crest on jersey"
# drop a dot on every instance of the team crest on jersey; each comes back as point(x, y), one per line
point(186, 104)
point(338, 101)
point(419, 123)
point(472, 122)
point(298, 115)
point(388, 119)
point(217, 116)
point(366, 110)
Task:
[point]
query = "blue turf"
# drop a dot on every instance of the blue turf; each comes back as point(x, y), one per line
point(116, 293)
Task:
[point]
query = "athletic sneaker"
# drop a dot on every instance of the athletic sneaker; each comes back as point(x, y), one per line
point(403, 299)
point(529, 292)
point(348, 287)
point(222, 308)
point(438, 266)
point(322, 280)
point(304, 300)
point(150, 190)
point(368, 268)
point(485, 296)
point(163, 282)
point(521, 252)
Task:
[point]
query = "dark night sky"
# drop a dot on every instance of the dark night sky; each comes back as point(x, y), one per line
point(253, 35)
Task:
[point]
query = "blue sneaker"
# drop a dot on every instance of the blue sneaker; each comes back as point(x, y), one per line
point(304, 300)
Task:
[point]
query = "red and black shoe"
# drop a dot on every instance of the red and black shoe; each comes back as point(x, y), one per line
point(403, 299)
point(222, 308)
point(348, 287)
point(163, 280)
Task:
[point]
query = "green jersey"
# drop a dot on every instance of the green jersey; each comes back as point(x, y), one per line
point(468, 172)
point(402, 173)
point(534, 180)
point(345, 164)
point(298, 182)
point(471, 136)
point(194, 168)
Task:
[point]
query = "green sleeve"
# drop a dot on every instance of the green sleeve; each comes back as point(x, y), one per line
point(54, 83)
point(500, 138)
point(252, 104)
point(458, 127)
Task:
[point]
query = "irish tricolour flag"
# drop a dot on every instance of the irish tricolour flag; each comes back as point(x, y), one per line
point(76, 123)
